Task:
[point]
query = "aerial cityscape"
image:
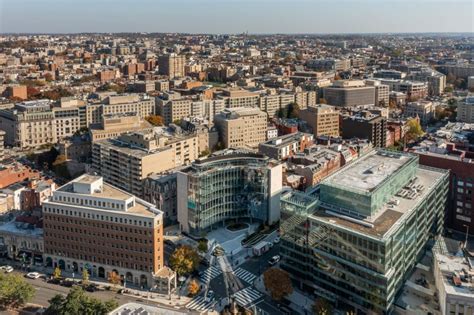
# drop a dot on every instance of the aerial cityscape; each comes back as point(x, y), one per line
point(237, 157)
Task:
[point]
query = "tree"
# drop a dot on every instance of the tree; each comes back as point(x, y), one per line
point(60, 166)
point(414, 130)
point(281, 113)
point(184, 260)
point(202, 246)
point(114, 278)
point(205, 152)
point(322, 101)
point(14, 291)
point(77, 302)
point(278, 282)
point(155, 120)
point(392, 104)
point(57, 273)
point(85, 276)
point(293, 110)
point(193, 287)
point(322, 307)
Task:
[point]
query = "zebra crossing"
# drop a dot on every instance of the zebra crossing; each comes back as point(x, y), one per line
point(199, 304)
point(209, 274)
point(247, 296)
point(245, 275)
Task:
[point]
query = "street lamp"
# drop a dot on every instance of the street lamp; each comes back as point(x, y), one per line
point(467, 234)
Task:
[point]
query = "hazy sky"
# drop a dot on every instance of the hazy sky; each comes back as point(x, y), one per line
point(236, 16)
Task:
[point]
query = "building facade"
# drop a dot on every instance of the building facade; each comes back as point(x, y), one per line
point(229, 187)
point(92, 225)
point(323, 119)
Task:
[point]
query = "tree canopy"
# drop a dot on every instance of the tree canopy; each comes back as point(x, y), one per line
point(14, 291)
point(414, 130)
point(322, 307)
point(278, 282)
point(77, 302)
point(155, 120)
point(184, 260)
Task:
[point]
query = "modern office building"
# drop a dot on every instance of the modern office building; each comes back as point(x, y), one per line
point(323, 119)
point(91, 225)
point(237, 186)
point(172, 65)
point(356, 238)
point(349, 93)
point(241, 127)
point(127, 160)
point(466, 110)
point(413, 89)
point(365, 125)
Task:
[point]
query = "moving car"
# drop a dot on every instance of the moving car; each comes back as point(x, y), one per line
point(6, 269)
point(274, 260)
point(33, 275)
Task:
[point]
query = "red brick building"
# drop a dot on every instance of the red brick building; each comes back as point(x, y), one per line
point(460, 212)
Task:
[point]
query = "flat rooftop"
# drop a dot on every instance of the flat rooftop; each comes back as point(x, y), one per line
point(390, 215)
point(368, 172)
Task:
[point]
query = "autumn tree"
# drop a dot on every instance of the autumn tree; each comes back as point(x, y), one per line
point(202, 245)
point(414, 130)
point(14, 291)
point(57, 273)
point(322, 307)
point(278, 282)
point(114, 278)
point(193, 287)
point(85, 276)
point(155, 120)
point(322, 101)
point(184, 260)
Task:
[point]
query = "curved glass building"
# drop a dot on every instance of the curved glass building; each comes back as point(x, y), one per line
point(238, 186)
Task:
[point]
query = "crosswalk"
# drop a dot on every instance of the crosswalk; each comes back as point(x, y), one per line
point(199, 304)
point(245, 275)
point(247, 296)
point(209, 274)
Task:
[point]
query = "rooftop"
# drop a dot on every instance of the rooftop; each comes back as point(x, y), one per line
point(369, 172)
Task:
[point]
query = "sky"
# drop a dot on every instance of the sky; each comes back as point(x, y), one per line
point(236, 16)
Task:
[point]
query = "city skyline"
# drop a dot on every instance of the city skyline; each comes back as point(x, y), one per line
point(225, 17)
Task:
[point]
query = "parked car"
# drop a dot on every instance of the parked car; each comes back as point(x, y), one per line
point(169, 243)
point(54, 281)
point(67, 283)
point(91, 288)
point(210, 296)
point(274, 260)
point(6, 269)
point(33, 275)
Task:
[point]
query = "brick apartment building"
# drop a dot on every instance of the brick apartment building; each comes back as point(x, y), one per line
point(91, 225)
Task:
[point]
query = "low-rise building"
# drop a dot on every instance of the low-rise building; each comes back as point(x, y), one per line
point(424, 110)
point(283, 147)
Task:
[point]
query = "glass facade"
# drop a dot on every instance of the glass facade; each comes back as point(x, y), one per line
point(225, 188)
point(360, 263)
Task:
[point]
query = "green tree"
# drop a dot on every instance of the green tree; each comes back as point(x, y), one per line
point(57, 273)
point(293, 110)
point(202, 246)
point(184, 260)
point(281, 113)
point(14, 291)
point(77, 302)
point(278, 282)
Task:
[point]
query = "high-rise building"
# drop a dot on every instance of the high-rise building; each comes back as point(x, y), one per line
point(90, 225)
point(172, 65)
point(323, 119)
point(382, 92)
point(241, 127)
point(127, 160)
point(349, 93)
point(238, 185)
point(356, 240)
point(365, 125)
